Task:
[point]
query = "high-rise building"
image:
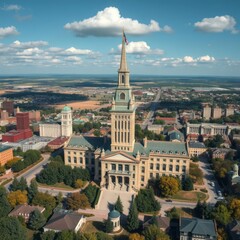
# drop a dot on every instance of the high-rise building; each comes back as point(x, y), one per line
point(216, 112)
point(66, 122)
point(120, 163)
point(8, 106)
point(22, 120)
point(34, 116)
point(206, 112)
point(4, 115)
point(123, 110)
point(229, 111)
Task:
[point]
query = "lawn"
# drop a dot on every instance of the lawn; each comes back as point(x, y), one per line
point(56, 185)
point(190, 196)
point(90, 227)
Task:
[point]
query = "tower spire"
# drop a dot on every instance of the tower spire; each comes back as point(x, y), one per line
point(123, 63)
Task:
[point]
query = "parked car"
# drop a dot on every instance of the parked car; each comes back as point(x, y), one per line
point(219, 193)
point(212, 184)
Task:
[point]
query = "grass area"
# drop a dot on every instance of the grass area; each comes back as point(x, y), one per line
point(56, 185)
point(185, 212)
point(29, 234)
point(190, 196)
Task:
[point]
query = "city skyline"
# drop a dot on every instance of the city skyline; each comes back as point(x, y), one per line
point(164, 37)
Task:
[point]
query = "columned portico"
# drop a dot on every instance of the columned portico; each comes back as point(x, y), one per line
point(118, 181)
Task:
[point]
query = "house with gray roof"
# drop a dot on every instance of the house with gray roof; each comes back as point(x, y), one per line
point(64, 220)
point(197, 229)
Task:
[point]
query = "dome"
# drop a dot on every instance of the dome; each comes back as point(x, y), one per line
point(114, 214)
point(66, 109)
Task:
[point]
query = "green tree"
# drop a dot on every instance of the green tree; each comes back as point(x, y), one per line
point(22, 184)
point(49, 235)
point(14, 185)
point(36, 220)
point(118, 205)
point(2, 170)
point(188, 184)
point(108, 226)
point(132, 218)
point(135, 236)
point(65, 235)
point(17, 197)
point(169, 186)
point(11, 228)
point(152, 232)
point(146, 201)
point(32, 190)
point(173, 213)
point(222, 215)
point(5, 207)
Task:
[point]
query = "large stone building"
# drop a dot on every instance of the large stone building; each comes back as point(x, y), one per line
point(62, 129)
point(120, 162)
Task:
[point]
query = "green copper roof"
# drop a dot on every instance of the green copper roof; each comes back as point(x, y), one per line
point(114, 214)
point(197, 226)
point(66, 109)
point(89, 142)
point(4, 148)
point(161, 147)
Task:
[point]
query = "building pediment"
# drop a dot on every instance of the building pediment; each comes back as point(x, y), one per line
point(119, 157)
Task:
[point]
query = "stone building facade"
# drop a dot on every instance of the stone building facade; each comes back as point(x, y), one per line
point(120, 163)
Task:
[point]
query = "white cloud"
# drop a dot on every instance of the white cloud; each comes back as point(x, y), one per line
point(8, 31)
point(12, 7)
point(188, 59)
point(140, 48)
point(18, 44)
point(109, 22)
point(206, 59)
point(76, 51)
point(29, 51)
point(217, 24)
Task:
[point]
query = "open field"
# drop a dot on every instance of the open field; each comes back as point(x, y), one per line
point(82, 105)
point(190, 196)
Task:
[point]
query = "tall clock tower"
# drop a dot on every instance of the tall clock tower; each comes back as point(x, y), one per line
point(123, 109)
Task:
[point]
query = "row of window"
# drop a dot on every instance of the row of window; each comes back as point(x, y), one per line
point(119, 167)
point(122, 117)
point(122, 137)
point(80, 160)
point(165, 160)
point(82, 153)
point(164, 167)
point(122, 125)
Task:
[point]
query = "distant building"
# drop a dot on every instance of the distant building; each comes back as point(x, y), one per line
point(23, 131)
point(229, 111)
point(221, 152)
point(163, 223)
point(34, 116)
point(206, 112)
point(65, 221)
point(8, 106)
point(216, 112)
point(233, 176)
point(58, 143)
point(114, 217)
point(25, 211)
point(6, 154)
point(175, 136)
point(155, 128)
point(62, 129)
point(210, 129)
point(195, 228)
point(4, 115)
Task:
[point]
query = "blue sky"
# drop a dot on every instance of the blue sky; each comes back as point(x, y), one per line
point(166, 37)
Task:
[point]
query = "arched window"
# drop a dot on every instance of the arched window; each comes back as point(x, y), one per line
point(123, 79)
point(122, 96)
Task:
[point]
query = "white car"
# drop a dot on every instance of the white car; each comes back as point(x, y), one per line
point(212, 184)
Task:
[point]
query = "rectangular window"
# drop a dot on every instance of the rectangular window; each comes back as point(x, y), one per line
point(164, 167)
point(133, 168)
point(114, 167)
point(120, 167)
point(75, 160)
point(171, 160)
point(134, 175)
point(151, 166)
point(143, 169)
point(151, 175)
point(81, 160)
point(106, 166)
point(127, 168)
point(142, 178)
point(69, 159)
point(164, 160)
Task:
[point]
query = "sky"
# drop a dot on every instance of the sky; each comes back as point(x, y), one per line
point(165, 37)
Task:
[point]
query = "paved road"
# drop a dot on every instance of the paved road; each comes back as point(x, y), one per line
point(208, 176)
point(153, 107)
point(31, 173)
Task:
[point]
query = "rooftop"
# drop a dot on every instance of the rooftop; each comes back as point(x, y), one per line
point(4, 148)
point(196, 145)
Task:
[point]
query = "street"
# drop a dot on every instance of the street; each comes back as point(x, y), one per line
point(153, 107)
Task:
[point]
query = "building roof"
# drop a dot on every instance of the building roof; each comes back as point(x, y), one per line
point(63, 221)
point(58, 141)
point(89, 142)
point(114, 214)
point(4, 148)
point(161, 147)
point(175, 135)
point(196, 144)
point(197, 226)
point(25, 209)
point(66, 109)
